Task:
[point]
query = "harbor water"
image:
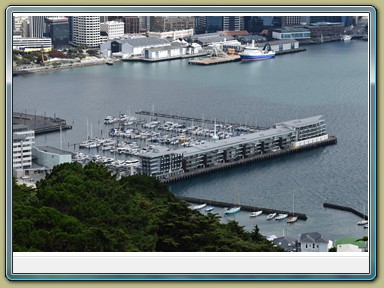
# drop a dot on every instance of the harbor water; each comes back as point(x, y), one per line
point(329, 79)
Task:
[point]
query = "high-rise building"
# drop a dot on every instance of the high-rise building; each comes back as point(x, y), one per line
point(164, 24)
point(253, 24)
point(114, 29)
point(103, 19)
point(58, 30)
point(233, 23)
point(144, 23)
point(132, 25)
point(86, 31)
point(208, 24)
point(36, 26)
point(277, 22)
point(290, 20)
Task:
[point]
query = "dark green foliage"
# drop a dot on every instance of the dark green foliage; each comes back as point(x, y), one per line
point(81, 209)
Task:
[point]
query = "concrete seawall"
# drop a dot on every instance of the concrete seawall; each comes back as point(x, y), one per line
point(346, 208)
point(248, 208)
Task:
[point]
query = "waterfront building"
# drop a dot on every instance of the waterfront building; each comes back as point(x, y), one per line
point(48, 156)
point(209, 39)
point(86, 31)
point(233, 23)
point(175, 50)
point(58, 30)
point(132, 46)
point(325, 29)
point(114, 29)
point(162, 24)
point(291, 33)
point(31, 44)
point(36, 26)
point(131, 25)
point(329, 19)
point(284, 135)
point(280, 45)
point(23, 140)
point(176, 34)
point(314, 242)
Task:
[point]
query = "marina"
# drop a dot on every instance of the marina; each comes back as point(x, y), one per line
point(257, 94)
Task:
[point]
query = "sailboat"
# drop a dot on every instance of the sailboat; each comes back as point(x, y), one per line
point(209, 208)
point(256, 213)
point(201, 206)
point(293, 218)
point(234, 209)
point(363, 222)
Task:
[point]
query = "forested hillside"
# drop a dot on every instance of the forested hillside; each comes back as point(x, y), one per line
point(80, 209)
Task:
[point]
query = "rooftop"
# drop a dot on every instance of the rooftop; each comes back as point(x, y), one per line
point(147, 41)
point(53, 150)
point(313, 237)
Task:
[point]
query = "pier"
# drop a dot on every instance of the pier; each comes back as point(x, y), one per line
point(214, 60)
point(346, 208)
point(248, 208)
point(199, 120)
point(256, 158)
point(40, 124)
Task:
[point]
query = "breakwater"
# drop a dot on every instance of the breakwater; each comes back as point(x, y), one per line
point(256, 158)
point(346, 208)
point(301, 216)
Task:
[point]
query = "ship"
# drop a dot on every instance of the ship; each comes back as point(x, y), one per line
point(252, 52)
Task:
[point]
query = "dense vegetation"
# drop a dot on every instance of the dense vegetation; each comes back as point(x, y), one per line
point(86, 209)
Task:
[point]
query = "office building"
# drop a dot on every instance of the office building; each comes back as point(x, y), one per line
point(233, 23)
point(36, 26)
point(163, 24)
point(86, 31)
point(58, 30)
point(132, 25)
point(113, 29)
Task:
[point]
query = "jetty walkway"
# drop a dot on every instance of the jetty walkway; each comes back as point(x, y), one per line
point(199, 120)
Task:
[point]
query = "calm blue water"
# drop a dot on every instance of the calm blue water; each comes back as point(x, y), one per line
point(329, 80)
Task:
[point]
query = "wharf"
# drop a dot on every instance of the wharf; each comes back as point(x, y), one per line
point(214, 60)
point(141, 59)
point(199, 120)
point(256, 158)
point(40, 124)
point(290, 51)
point(248, 208)
point(346, 208)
